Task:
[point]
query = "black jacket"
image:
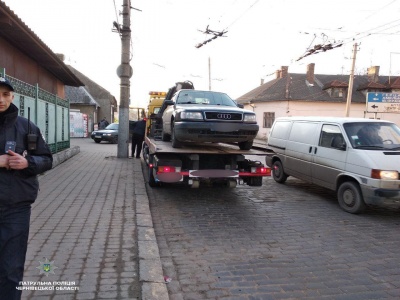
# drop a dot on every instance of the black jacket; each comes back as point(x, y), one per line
point(138, 127)
point(21, 186)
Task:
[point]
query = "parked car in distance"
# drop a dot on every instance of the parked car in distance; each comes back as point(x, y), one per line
point(109, 134)
point(206, 116)
point(358, 158)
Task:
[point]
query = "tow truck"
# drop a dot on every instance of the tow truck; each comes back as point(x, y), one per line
point(192, 164)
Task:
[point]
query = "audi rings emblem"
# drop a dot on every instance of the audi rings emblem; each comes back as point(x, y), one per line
point(224, 116)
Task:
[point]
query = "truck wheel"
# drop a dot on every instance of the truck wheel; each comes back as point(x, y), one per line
point(350, 198)
point(245, 145)
point(151, 181)
point(145, 153)
point(175, 142)
point(278, 172)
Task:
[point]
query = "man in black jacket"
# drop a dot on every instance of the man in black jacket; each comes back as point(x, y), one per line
point(138, 131)
point(19, 167)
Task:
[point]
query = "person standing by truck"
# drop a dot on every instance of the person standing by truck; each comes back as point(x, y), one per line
point(23, 155)
point(138, 132)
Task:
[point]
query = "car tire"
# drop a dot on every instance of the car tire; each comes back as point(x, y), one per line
point(115, 140)
point(350, 197)
point(165, 137)
point(245, 145)
point(278, 173)
point(174, 141)
point(97, 141)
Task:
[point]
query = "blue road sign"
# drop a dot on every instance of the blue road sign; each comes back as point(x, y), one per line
point(383, 102)
point(383, 97)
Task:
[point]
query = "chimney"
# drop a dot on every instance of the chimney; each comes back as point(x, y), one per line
point(278, 74)
point(310, 73)
point(262, 81)
point(373, 74)
point(61, 56)
point(284, 71)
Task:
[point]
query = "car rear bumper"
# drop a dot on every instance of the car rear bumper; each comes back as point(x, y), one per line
point(215, 132)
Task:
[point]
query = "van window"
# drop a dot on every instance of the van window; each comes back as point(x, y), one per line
point(376, 135)
point(331, 137)
point(281, 129)
point(303, 132)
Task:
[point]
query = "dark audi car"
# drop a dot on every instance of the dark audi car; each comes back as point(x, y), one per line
point(109, 134)
point(206, 116)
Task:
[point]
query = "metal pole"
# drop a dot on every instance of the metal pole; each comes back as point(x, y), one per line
point(351, 79)
point(390, 64)
point(125, 73)
point(209, 73)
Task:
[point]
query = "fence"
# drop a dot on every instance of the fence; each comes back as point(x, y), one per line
point(49, 112)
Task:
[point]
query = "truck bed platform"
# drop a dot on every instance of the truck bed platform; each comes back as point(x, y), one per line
point(157, 146)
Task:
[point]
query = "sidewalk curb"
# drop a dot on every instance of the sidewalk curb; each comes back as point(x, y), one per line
point(60, 157)
point(150, 268)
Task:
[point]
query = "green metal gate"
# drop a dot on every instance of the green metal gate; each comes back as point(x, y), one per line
point(49, 112)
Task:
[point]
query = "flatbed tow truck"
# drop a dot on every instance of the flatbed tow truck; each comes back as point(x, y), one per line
point(208, 163)
point(205, 163)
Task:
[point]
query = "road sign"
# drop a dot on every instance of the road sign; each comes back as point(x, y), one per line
point(383, 102)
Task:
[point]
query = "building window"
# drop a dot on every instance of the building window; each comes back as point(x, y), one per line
point(337, 93)
point(269, 118)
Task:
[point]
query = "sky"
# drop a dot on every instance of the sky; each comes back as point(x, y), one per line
point(261, 36)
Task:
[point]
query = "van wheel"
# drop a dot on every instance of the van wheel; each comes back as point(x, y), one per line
point(350, 197)
point(278, 173)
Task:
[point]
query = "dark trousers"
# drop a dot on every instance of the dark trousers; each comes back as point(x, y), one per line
point(137, 142)
point(14, 232)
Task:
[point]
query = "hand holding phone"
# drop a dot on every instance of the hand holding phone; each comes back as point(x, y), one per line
point(10, 145)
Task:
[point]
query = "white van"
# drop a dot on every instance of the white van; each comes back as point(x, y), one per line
point(358, 158)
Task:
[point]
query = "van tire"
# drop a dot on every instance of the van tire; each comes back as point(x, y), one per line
point(350, 198)
point(278, 173)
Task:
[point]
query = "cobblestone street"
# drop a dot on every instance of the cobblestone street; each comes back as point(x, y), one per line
point(287, 241)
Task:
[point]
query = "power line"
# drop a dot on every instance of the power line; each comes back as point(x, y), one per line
point(217, 34)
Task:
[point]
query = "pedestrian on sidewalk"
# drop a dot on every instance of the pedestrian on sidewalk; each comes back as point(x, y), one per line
point(138, 131)
point(19, 167)
point(103, 123)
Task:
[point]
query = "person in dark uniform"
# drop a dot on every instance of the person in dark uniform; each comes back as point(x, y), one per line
point(19, 187)
point(138, 132)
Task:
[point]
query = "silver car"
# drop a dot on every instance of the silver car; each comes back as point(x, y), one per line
point(206, 116)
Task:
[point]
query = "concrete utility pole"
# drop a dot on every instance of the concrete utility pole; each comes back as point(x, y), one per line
point(209, 73)
point(124, 71)
point(351, 79)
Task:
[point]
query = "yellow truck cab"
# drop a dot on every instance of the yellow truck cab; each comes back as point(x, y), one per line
point(155, 101)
